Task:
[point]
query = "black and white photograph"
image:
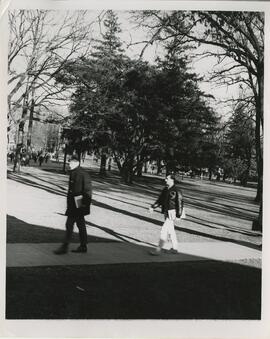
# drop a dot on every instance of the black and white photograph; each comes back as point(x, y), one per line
point(134, 164)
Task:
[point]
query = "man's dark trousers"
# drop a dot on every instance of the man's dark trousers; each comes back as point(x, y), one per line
point(81, 226)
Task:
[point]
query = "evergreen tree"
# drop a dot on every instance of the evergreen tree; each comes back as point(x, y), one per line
point(188, 123)
point(240, 145)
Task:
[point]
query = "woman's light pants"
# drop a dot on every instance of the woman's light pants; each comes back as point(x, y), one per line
point(167, 230)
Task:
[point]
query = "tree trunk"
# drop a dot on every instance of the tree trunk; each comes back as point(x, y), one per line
point(65, 159)
point(127, 171)
point(257, 224)
point(109, 167)
point(127, 175)
point(102, 170)
point(139, 167)
point(30, 125)
point(244, 178)
point(245, 175)
point(210, 174)
point(145, 167)
point(158, 166)
point(118, 163)
point(259, 161)
point(259, 125)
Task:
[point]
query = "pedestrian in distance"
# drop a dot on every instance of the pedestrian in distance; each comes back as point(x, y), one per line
point(171, 202)
point(18, 159)
point(57, 156)
point(11, 156)
point(78, 205)
point(41, 159)
point(47, 157)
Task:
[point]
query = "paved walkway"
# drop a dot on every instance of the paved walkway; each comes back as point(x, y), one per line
point(41, 254)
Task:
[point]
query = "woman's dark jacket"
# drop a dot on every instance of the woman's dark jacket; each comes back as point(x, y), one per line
point(170, 199)
point(79, 184)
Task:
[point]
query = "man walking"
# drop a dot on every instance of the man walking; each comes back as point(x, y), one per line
point(78, 205)
point(171, 201)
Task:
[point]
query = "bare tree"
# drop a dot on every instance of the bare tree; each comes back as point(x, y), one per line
point(40, 44)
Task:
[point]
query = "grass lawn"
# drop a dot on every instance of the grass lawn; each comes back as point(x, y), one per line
point(186, 290)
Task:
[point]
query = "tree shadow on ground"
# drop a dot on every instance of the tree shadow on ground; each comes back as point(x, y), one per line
point(147, 184)
point(223, 226)
point(94, 202)
point(150, 184)
point(220, 208)
point(19, 231)
point(171, 290)
point(27, 181)
point(119, 236)
point(220, 202)
point(250, 186)
point(217, 193)
point(126, 201)
point(211, 196)
point(61, 187)
point(219, 238)
point(126, 212)
point(204, 205)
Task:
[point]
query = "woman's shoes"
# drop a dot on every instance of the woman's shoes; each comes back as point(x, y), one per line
point(173, 251)
point(155, 252)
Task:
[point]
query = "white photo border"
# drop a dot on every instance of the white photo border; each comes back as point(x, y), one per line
point(133, 328)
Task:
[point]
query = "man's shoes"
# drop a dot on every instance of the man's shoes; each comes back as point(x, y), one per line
point(61, 250)
point(173, 251)
point(80, 249)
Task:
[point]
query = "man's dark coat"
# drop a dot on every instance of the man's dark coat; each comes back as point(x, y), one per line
point(79, 184)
